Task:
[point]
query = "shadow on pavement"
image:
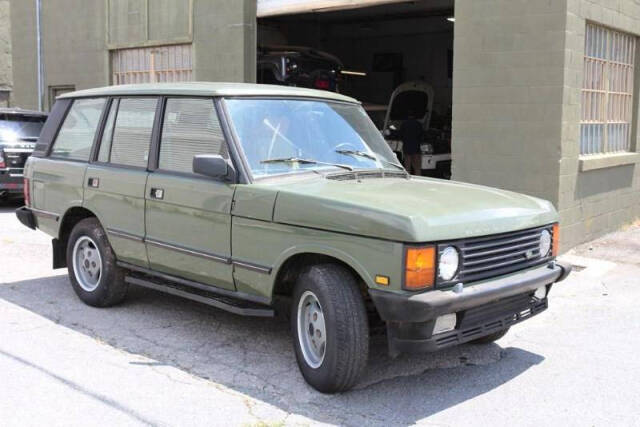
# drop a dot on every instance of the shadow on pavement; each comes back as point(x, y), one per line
point(254, 356)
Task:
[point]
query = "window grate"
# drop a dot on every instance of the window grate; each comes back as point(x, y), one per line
point(171, 63)
point(607, 91)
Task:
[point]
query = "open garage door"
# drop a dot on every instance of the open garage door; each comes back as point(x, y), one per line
point(284, 7)
point(394, 56)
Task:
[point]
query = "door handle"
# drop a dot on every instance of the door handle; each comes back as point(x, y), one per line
point(93, 182)
point(157, 193)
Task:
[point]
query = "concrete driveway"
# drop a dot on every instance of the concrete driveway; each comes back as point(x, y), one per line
point(160, 360)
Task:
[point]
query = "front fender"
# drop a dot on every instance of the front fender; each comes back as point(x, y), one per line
point(270, 245)
point(315, 249)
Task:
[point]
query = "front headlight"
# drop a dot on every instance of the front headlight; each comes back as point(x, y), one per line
point(545, 243)
point(448, 263)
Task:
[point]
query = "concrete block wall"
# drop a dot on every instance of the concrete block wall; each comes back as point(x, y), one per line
point(594, 202)
point(508, 83)
point(224, 40)
point(6, 74)
point(23, 54)
point(76, 40)
point(518, 73)
point(74, 46)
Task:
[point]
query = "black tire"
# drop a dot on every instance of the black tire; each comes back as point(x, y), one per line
point(491, 338)
point(345, 319)
point(111, 287)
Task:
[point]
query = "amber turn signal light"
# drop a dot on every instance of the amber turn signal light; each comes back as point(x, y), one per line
point(420, 269)
point(555, 239)
point(382, 280)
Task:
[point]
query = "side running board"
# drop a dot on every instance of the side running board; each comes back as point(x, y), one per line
point(215, 297)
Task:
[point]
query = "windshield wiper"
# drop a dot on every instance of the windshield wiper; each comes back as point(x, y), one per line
point(368, 156)
point(305, 161)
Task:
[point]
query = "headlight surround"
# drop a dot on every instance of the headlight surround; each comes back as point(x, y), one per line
point(448, 263)
point(545, 243)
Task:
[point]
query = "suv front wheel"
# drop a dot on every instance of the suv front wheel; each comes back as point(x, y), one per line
point(93, 272)
point(330, 329)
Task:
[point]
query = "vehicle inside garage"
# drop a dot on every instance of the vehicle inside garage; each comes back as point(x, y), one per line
point(396, 58)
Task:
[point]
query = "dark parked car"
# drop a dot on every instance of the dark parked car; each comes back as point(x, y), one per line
point(298, 66)
point(19, 131)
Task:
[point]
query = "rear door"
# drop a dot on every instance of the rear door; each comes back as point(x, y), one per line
point(58, 179)
point(189, 216)
point(115, 183)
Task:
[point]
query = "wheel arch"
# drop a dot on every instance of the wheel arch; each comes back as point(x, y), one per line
point(71, 217)
point(291, 263)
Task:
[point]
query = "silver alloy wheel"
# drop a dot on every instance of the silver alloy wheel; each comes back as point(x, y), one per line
point(87, 263)
point(312, 335)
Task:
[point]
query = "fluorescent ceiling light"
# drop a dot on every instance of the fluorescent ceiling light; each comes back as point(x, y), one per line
point(451, 19)
point(354, 73)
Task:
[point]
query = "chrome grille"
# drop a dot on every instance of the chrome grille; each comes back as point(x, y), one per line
point(495, 255)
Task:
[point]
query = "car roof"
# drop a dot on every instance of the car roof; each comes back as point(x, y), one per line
point(208, 89)
point(20, 111)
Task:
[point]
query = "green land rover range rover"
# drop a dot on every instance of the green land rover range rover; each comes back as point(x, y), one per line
point(254, 198)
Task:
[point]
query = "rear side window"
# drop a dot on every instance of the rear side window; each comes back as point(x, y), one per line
point(132, 131)
point(75, 137)
point(190, 127)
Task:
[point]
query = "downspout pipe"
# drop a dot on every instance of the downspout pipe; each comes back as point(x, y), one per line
point(39, 58)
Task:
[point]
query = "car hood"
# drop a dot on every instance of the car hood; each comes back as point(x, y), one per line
point(407, 210)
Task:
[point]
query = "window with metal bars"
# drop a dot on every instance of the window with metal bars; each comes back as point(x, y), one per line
point(607, 91)
point(152, 64)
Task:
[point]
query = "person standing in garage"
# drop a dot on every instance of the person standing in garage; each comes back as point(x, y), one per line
point(411, 134)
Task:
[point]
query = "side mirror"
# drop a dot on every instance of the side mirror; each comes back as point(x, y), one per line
point(212, 165)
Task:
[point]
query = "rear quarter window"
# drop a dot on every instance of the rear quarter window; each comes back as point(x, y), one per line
point(75, 137)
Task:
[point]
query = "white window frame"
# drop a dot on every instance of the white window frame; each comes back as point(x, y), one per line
point(607, 120)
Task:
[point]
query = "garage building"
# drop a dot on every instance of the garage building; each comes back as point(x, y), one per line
point(536, 96)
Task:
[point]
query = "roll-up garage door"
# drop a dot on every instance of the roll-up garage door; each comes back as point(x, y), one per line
point(283, 7)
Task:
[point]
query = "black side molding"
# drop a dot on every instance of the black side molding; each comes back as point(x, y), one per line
point(25, 216)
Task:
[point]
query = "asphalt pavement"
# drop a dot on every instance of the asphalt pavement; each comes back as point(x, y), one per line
point(161, 360)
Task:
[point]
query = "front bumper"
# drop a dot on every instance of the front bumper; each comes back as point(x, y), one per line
point(481, 309)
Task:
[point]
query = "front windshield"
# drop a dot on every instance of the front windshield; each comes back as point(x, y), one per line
point(293, 135)
point(19, 126)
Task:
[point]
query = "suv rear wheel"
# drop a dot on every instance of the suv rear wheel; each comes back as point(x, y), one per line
point(330, 329)
point(93, 272)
